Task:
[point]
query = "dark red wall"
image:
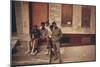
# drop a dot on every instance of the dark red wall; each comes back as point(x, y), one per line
point(39, 13)
point(79, 39)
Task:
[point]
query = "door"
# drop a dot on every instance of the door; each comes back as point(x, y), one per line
point(67, 14)
point(39, 13)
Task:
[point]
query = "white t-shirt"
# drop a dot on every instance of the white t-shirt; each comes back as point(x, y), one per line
point(48, 29)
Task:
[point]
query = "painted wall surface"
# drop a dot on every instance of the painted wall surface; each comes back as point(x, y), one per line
point(25, 20)
point(55, 15)
point(22, 20)
point(19, 18)
point(39, 13)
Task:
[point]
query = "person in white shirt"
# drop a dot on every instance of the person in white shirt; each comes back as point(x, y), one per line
point(46, 34)
point(47, 25)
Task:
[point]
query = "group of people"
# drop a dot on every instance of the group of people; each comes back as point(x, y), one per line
point(49, 33)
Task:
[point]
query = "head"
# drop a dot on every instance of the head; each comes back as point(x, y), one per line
point(51, 27)
point(42, 24)
point(47, 23)
point(54, 24)
point(35, 27)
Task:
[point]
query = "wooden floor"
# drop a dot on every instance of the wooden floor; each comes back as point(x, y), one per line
point(68, 54)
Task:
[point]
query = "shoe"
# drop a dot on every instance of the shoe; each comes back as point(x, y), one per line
point(33, 53)
point(28, 51)
point(55, 58)
point(60, 61)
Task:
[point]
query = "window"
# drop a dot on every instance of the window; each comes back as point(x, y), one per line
point(67, 14)
point(86, 13)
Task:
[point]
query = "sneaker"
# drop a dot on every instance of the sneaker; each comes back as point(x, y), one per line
point(34, 53)
point(55, 58)
point(28, 51)
point(31, 52)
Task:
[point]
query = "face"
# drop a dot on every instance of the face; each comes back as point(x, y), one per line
point(34, 27)
point(43, 25)
point(54, 25)
point(47, 24)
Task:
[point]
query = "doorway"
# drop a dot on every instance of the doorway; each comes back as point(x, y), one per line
point(13, 18)
point(40, 13)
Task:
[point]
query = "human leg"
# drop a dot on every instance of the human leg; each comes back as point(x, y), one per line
point(35, 47)
point(29, 47)
point(58, 51)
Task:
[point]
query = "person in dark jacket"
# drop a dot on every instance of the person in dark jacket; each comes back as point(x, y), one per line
point(35, 37)
point(55, 37)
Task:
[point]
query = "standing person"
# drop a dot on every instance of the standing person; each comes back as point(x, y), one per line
point(47, 25)
point(56, 36)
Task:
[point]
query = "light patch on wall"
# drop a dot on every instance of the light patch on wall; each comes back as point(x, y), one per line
point(76, 26)
point(55, 13)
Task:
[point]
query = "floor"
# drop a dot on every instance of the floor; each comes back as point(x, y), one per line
point(68, 54)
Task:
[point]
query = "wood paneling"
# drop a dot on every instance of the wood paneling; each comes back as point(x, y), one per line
point(67, 14)
point(78, 39)
point(39, 13)
point(86, 13)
